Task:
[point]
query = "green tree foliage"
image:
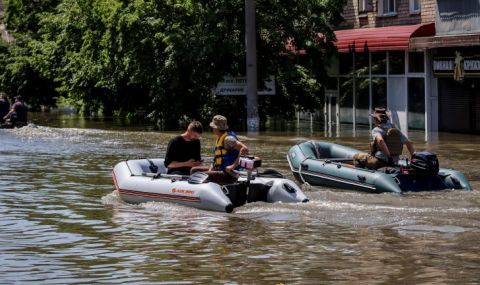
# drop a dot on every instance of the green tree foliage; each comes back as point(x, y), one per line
point(165, 57)
point(19, 69)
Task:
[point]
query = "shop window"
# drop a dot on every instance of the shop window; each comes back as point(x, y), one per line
point(331, 83)
point(416, 103)
point(345, 63)
point(379, 92)
point(414, 6)
point(416, 62)
point(379, 62)
point(364, 6)
point(387, 7)
point(346, 99)
point(396, 60)
point(361, 63)
point(362, 100)
point(346, 89)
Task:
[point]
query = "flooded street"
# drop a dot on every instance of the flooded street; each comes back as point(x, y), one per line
point(62, 222)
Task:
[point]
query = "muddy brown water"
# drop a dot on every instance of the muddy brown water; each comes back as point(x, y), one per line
point(62, 223)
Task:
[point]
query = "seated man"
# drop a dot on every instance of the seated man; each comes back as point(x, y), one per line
point(386, 146)
point(183, 151)
point(18, 112)
point(227, 152)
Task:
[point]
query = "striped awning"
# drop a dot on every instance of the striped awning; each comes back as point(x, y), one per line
point(381, 39)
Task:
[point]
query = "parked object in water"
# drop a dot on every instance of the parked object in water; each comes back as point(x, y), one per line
point(144, 180)
point(10, 125)
point(330, 164)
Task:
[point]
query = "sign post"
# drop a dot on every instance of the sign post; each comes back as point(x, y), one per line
point(253, 121)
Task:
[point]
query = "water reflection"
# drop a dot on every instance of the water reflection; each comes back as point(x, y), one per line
point(62, 222)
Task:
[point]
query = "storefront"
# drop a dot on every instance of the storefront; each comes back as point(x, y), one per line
point(458, 74)
point(455, 72)
point(375, 67)
point(455, 66)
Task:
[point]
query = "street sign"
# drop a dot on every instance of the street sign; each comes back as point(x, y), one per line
point(234, 86)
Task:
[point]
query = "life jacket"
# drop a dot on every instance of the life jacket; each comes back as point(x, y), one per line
point(392, 140)
point(222, 157)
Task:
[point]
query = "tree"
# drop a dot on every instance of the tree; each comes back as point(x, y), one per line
point(19, 70)
point(165, 57)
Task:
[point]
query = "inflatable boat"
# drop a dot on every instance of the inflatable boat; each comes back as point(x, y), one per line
point(331, 165)
point(12, 126)
point(144, 180)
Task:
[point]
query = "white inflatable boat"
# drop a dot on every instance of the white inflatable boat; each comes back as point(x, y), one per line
point(143, 180)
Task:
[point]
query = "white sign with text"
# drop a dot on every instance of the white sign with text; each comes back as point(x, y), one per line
point(238, 86)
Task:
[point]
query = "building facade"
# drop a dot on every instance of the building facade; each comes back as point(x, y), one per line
point(386, 58)
point(455, 65)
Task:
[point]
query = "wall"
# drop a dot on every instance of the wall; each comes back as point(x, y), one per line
point(457, 17)
point(371, 19)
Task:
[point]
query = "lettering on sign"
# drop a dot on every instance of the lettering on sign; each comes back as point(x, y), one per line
point(471, 65)
point(183, 191)
point(238, 86)
point(442, 65)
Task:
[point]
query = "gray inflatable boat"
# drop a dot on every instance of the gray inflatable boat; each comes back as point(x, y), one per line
point(330, 164)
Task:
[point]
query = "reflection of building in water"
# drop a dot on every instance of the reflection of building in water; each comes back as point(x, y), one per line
point(401, 54)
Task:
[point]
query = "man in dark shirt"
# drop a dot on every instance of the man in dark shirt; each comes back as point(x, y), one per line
point(18, 112)
point(4, 106)
point(183, 151)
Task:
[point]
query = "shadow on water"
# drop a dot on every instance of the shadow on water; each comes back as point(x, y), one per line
point(63, 223)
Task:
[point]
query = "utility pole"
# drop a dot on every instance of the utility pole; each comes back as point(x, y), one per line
point(253, 120)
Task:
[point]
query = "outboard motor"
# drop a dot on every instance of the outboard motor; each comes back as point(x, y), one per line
point(424, 164)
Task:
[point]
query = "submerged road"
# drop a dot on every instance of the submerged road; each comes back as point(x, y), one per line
point(62, 223)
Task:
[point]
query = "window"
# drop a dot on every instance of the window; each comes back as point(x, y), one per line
point(414, 6)
point(379, 62)
point(379, 92)
point(396, 62)
point(364, 6)
point(345, 63)
point(387, 7)
point(416, 103)
point(416, 62)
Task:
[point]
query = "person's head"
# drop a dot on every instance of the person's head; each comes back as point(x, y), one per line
point(219, 123)
point(2, 95)
point(194, 130)
point(379, 116)
point(18, 98)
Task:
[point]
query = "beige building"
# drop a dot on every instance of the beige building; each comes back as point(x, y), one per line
point(387, 58)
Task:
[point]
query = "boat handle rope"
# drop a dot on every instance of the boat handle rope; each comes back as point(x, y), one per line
point(300, 170)
point(153, 167)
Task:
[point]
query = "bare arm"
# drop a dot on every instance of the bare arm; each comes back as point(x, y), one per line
point(243, 150)
point(410, 147)
point(9, 114)
point(188, 163)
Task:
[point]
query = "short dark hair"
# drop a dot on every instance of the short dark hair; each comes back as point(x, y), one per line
point(196, 126)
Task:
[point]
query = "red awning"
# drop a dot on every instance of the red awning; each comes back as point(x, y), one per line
point(380, 39)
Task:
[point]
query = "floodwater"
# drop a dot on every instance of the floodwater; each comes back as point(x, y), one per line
point(62, 223)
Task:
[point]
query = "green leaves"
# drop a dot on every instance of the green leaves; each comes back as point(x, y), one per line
point(164, 57)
